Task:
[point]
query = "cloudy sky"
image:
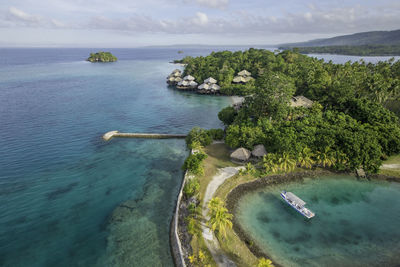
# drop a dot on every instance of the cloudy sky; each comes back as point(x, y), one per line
point(132, 23)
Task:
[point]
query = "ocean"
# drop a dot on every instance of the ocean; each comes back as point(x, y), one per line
point(60, 183)
point(67, 197)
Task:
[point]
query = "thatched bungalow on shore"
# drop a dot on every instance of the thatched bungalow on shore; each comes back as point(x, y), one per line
point(241, 155)
point(301, 101)
point(243, 76)
point(259, 151)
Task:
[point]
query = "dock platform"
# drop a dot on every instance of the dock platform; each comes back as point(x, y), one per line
point(111, 134)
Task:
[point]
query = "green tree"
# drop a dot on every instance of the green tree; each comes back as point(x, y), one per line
point(286, 162)
point(191, 188)
point(263, 262)
point(220, 218)
point(305, 158)
point(227, 115)
point(199, 135)
point(272, 98)
point(269, 163)
point(326, 158)
point(193, 163)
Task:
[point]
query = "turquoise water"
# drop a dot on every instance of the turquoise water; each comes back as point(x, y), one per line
point(62, 189)
point(60, 182)
point(356, 223)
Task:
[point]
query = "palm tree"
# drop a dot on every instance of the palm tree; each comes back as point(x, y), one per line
point(250, 169)
point(305, 158)
point(220, 218)
point(263, 262)
point(269, 163)
point(215, 203)
point(286, 163)
point(326, 157)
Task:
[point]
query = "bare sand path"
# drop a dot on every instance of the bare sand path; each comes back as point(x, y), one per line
point(212, 243)
point(390, 166)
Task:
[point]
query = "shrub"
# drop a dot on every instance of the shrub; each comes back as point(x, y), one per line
point(193, 163)
point(191, 188)
point(227, 115)
point(199, 135)
point(216, 134)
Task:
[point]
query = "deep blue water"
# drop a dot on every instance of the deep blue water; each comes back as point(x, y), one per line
point(60, 183)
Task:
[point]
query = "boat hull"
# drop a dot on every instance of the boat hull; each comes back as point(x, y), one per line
point(302, 210)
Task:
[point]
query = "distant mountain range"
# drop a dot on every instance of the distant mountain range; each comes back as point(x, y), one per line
point(362, 38)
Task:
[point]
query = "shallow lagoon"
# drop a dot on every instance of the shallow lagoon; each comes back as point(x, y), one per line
point(356, 222)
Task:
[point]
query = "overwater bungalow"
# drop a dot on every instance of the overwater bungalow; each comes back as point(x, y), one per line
point(209, 86)
point(175, 77)
point(204, 86)
point(189, 78)
point(187, 83)
point(210, 80)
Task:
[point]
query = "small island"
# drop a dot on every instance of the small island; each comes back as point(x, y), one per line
point(102, 57)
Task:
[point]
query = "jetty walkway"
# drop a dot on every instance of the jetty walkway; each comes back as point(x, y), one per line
point(107, 136)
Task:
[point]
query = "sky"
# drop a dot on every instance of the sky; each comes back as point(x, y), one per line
point(134, 23)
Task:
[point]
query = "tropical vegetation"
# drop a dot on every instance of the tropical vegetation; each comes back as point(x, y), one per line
point(101, 57)
point(355, 50)
point(220, 218)
point(347, 127)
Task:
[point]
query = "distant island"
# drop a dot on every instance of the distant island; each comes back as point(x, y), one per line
point(102, 57)
point(375, 43)
point(356, 50)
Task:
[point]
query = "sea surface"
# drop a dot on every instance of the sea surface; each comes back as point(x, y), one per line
point(356, 222)
point(60, 182)
point(68, 198)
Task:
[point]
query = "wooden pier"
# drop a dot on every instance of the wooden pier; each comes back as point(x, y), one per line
point(107, 136)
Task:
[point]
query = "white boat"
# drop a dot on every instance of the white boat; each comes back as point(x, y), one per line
point(297, 204)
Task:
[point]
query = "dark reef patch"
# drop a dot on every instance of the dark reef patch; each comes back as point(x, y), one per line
point(60, 191)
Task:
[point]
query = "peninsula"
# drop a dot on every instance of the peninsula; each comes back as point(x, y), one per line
point(301, 118)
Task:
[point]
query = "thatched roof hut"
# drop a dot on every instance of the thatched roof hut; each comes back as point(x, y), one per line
point(301, 101)
point(183, 83)
point(259, 151)
point(204, 86)
point(176, 73)
point(241, 154)
point(242, 77)
point(215, 87)
point(193, 84)
point(239, 79)
point(189, 78)
point(244, 73)
point(210, 80)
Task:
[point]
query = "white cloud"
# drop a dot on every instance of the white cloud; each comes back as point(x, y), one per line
point(314, 20)
point(221, 4)
point(200, 19)
point(17, 14)
point(15, 17)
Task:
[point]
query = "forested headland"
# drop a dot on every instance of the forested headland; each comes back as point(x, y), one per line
point(354, 50)
point(346, 128)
